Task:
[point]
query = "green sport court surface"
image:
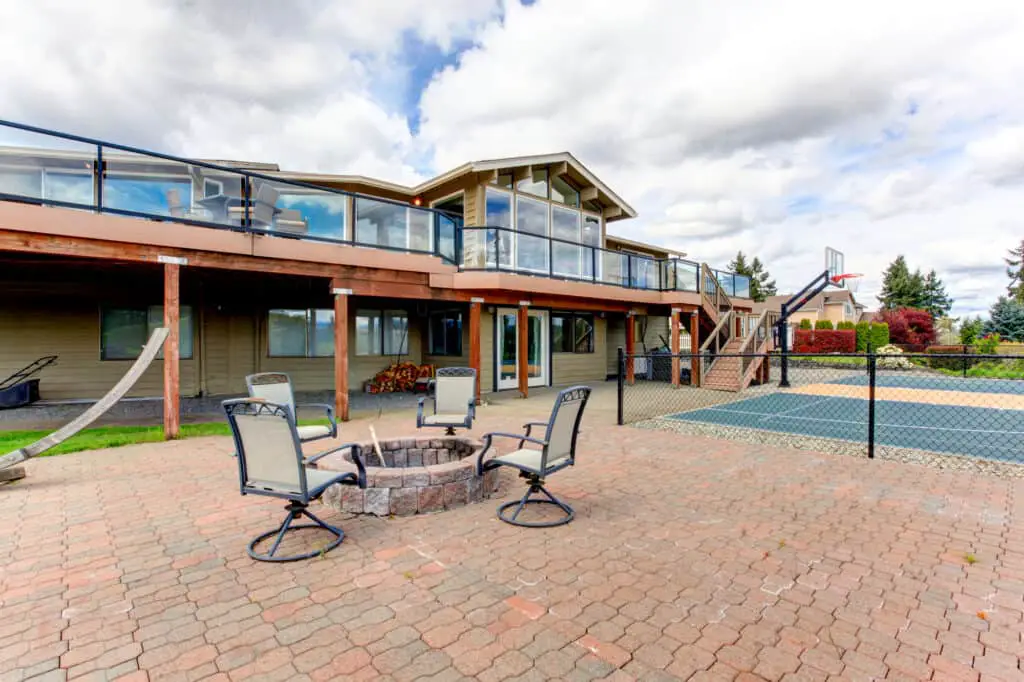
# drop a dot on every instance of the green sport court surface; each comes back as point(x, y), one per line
point(983, 432)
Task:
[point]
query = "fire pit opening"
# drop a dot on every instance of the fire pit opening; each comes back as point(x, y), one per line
point(418, 475)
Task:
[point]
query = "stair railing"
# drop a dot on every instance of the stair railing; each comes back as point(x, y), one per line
point(713, 298)
point(758, 341)
point(713, 345)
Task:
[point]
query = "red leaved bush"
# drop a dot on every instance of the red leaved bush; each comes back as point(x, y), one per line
point(909, 326)
point(825, 341)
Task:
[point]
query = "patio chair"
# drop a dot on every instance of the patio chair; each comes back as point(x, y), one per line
point(557, 451)
point(290, 220)
point(270, 462)
point(277, 388)
point(261, 207)
point(454, 400)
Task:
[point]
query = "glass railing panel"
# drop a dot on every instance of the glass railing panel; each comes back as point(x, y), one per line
point(38, 167)
point(474, 245)
point(447, 234)
point(687, 275)
point(614, 268)
point(591, 264)
point(726, 279)
point(532, 253)
point(567, 260)
point(742, 284)
point(643, 272)
point(393, 225)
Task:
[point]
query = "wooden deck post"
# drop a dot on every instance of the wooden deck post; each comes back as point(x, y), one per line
point(675, 347)
point(522, 352)
point(172, 378)
point(695, 348)
point(630, 365)
point(474, 341)
point(341, 353)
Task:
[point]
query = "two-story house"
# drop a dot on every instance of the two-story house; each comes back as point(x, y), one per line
point(504, 265)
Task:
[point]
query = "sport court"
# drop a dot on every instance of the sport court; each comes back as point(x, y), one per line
point(977, 417)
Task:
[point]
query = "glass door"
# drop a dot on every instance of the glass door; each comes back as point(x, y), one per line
point(508, 348)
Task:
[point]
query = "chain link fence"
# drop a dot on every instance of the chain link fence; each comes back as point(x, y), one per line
point(963, 411)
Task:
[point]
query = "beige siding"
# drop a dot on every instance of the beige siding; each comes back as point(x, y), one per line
point(71, 330)
point(574, 368)
point(230, 351)
point(473, 197)
point(486, 351)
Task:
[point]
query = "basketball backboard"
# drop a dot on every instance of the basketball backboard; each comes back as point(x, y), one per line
point(835, 264)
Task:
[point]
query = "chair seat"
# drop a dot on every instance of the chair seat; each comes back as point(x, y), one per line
point(317, 480)
point(445, 419)
point(312, 431)
point(529, 460)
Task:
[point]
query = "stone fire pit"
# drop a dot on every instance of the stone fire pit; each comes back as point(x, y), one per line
point(422, 475)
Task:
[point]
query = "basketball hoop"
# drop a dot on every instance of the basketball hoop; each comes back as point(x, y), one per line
point(849, 281)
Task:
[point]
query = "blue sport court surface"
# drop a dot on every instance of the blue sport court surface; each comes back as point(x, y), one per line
point(982, 432)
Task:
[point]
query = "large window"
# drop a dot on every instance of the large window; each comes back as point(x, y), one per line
point(300, 333)
point(124, 331)
point(382, 332)
point(572, 333)
point(498, 213)
point(446, 333)
point(565, 225)
point(563, 192)
point(536, 184)
point(380, 223)
point(531, 219)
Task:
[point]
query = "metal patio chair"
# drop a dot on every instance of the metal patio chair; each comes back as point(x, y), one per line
point(454, 400)
point(277, 388)
point(557, 451)
point(271, 463)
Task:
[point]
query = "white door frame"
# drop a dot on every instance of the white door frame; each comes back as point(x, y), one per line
point(511, 383)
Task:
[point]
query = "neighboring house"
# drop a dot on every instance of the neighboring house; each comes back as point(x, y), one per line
point(504, 265)
point(835, 305)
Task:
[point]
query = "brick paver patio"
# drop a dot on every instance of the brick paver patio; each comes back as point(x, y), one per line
point(688, 558)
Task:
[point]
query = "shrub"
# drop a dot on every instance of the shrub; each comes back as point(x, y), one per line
point(878, 335)
point(823, 324)
point(863, 336)
point(956, 362)
point(805, 324)
point(891, 357)
point(846, 325)
point(825, 341)
point(987, 345)
point(910, 326)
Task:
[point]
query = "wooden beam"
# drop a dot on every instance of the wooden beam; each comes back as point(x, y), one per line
point(487, 177)
point(507, 298)
point(630, 345)
point(557, 170)
point(474, 343)
point(611, 212)
point(695, 348)
point(522, 173)
point(341, 354)
point(588, 194)
point(675, 347)
point(522, 356)
point(172, 380)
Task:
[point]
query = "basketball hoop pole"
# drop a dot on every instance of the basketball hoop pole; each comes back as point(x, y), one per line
point(795, 303)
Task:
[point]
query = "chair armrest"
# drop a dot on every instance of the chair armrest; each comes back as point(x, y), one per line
point(419, 412)
point(471, 411)
point(328, 409)
point(356, 459)
point(487, 437)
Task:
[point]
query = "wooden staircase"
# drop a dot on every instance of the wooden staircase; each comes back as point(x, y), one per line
point(724, 374)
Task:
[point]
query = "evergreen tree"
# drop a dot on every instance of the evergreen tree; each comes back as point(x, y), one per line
point(761, 284)
point(936, 301)
point(1015, 271)
point(901, 288)
point(1006, 319)
point(971, 330)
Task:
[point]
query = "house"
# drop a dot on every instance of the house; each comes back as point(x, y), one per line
point(505, 265)
point(835, 305)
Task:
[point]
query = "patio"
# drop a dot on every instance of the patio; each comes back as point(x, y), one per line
point(688, 557)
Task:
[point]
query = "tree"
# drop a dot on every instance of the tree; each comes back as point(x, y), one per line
point(1015, 271)
point(971, 330)
point(936, 301)
point(761, 284)
point(1006, 319)
point(901, 288)
point(910, 326)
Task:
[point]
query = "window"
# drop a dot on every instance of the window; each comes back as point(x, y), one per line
point(74, 188)
point(123, 331)
point(300, 333)
point(22, 182)
point(536, 184)
point(531, 219)
point(498, 213)
point(381, 223)
point(382, 332)
point(503, 180)
point(564, 193)
point(565, 224)
point(572, 333)
point(446, 333)
point(212, 188)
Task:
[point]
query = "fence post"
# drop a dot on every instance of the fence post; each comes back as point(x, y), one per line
point(965, 361)
point(620, 381)
point(871, 404)
point(784, 350)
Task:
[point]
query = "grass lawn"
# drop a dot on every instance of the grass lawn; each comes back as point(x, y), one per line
point(114, 436)
point(831, 360)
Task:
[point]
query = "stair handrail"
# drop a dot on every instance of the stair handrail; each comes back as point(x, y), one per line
point(712, 295)
point(719, 338)
point(758, 337)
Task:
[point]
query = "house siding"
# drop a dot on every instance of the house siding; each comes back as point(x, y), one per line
point(574, 368)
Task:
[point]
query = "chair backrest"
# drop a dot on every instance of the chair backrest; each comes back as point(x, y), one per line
point(453, 389)
point(564, 425)
point(269, 452)
point(274, 387)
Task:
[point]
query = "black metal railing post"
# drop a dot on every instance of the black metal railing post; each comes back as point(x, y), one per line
point(246, 192)
point(551, 257)
point(621, 382)
point(872, 371)
point(965, 361)
point(593, 263)
point(99, 178)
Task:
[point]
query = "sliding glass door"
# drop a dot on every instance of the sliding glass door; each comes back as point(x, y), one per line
point(507, 348)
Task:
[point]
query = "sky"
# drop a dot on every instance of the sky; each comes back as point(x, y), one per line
point(775, 127)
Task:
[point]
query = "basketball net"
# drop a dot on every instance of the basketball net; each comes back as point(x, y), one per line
point(849, 280)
